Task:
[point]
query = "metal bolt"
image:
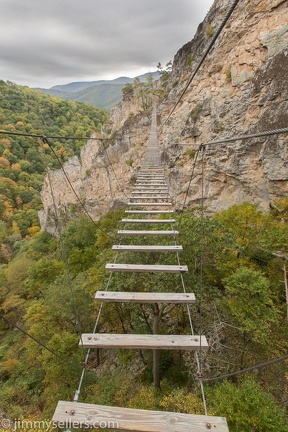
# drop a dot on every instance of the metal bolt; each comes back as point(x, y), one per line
point(208, 426)
point(72, 412)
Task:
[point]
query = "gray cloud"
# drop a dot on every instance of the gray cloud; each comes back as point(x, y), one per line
point(48, 42)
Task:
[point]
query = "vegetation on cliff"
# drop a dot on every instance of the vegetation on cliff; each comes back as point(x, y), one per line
point(243, 313)
point(22, 161)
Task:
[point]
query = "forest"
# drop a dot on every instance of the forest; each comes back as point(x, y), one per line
point(237, 262)
point(24, 160)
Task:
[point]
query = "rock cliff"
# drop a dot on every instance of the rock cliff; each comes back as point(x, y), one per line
point(240, 89)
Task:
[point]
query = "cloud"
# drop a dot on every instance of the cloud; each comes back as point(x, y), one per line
point(43, 43)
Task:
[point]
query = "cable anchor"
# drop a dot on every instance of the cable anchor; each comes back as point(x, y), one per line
point(44, 139)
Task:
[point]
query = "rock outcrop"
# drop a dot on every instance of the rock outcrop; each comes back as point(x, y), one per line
point(240, 89)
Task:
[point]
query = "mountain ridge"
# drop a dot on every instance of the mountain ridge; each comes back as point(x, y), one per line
point(100, 93)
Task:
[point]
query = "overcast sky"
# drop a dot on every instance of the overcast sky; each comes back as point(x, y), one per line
point(49, 42)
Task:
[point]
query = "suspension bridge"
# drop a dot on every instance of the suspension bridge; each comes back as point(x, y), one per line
point(149, 200)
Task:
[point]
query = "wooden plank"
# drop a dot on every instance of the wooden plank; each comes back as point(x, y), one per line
point(156, 179)
point(156, 193)
point(144, 297)
point(151, 188)
point(150, 195)
point(166, 199)
point(145, 268)
point(149, 212)
point(151, 183)
point(143, 341)
point(151, 169)
point(85, 416)
point(148, 204)
point(147, 248)
point(157, 221)
point(151, 177)
point(150, 232)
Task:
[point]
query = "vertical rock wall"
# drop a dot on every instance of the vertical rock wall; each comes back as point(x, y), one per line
point(241, 88)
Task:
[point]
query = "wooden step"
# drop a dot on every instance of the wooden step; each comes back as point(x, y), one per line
point(150, 232)
point(149, 212)
point(151, 178)
point(147, 248)
point(159, 182)
point(144, 297)
point(150, 195)
point(151, 186)
point(155, 193)
point(147, 187)
point(145, 268)
point(165, 199)
point(147, 221)
point(149, 204)
point(151, 183)
point(87, 416)
point(151, 169)
point(149, 191)
point(145, 190)
point(143, 341)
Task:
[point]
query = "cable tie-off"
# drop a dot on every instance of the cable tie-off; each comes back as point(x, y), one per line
point(44, 139)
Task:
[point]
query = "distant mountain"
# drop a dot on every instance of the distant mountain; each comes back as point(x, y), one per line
point(102, 93)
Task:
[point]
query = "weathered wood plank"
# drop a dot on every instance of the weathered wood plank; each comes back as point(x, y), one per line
point(157, 184)
point(152, 197)
point(144, 297)
point(149, 211)
point(150, 189)
point(147, 248)
point(151, 178)
point(148, 221)
point(143, 341)
point(145, 268)
point(151, 167)
point(149, 204)
point(150, 232)
point(82, 415)
point(143, 191)
point(150, 183)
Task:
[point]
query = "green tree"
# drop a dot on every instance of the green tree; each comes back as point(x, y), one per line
point(247, 408)
point(249, 299)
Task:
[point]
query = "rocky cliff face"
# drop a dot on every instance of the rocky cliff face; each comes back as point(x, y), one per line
point(240, 89)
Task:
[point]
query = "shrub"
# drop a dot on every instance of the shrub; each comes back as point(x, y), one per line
point(190, 152)
point(209, 30)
